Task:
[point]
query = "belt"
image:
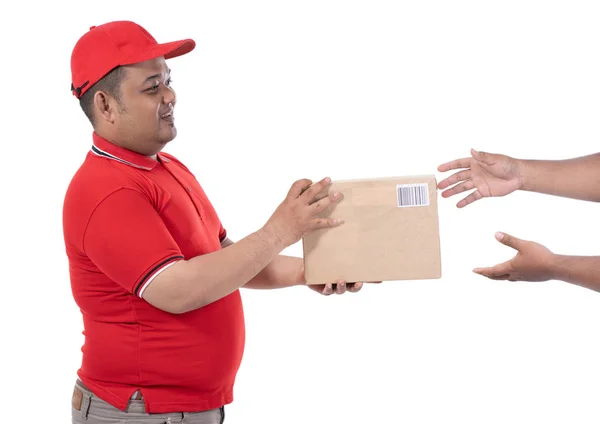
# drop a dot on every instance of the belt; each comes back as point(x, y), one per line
point(136, 396)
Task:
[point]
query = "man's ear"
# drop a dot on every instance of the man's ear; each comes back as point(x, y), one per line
point(104, 108)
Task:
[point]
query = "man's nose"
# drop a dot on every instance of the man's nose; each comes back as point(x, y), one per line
point(169, 96)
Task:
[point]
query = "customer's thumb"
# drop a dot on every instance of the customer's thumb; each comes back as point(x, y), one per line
point(487, 158)
point(509, 240)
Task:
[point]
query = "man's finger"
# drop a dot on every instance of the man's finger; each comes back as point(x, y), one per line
point(320, 205)
point(324, 289)
point(354, 287)
point(319, 196)
point(319, 223)
point(455, 178)
point(467, 185)
point(297, 188)
point(311, 192)
point(455, 164)
point(509, 241)
point(340, 287)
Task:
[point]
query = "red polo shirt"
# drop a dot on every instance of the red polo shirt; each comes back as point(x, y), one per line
point(126, 218)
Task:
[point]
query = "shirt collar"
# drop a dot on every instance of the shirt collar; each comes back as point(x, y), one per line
point(104, 148)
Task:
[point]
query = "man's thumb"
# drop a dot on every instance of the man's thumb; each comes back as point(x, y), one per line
point(509, 241)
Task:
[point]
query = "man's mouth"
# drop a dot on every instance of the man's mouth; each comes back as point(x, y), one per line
point(168, 116)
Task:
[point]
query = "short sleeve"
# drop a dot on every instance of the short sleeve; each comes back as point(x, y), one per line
point(128, 241)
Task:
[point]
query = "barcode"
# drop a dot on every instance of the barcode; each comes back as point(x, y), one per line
point(413, 195)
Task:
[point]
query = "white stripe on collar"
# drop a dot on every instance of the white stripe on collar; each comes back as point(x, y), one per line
point(99, 152)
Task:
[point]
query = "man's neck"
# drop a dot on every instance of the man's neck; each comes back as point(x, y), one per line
point(115, 140)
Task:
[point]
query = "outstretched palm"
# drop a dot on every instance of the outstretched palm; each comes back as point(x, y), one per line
point(491, 175)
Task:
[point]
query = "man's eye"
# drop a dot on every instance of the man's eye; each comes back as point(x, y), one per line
point(156, 86)
point(152, 89)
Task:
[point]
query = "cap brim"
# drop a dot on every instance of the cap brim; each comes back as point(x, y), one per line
point(166, 50)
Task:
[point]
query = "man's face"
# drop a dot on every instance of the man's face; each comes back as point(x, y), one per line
point(145, 119)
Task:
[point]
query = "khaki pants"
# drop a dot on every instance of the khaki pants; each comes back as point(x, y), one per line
point(87, 408)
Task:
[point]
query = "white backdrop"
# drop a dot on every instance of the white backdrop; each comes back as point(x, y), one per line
point(279, 90)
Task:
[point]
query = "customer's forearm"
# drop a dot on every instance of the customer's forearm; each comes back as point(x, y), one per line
point(583, 271)
point(577, 178)
point(283, 271)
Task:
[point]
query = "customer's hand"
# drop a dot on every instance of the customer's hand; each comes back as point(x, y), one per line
point(490, 174)
point(533, 262)
point(297, 215)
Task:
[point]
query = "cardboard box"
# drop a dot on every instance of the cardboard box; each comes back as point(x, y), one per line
point(390, 233)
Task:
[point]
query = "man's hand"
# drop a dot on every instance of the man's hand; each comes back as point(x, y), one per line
point(297, 214)
point(491, 175)
point(339, 287)
point(533, 262)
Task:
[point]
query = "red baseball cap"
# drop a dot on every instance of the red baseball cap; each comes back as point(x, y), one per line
point(118, 43)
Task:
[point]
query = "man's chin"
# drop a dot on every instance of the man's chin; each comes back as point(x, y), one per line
point(169, 135)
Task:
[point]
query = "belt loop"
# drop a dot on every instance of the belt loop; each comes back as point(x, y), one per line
point(222, 414)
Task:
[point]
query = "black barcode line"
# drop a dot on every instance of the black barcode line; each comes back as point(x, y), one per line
point(413, 195)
